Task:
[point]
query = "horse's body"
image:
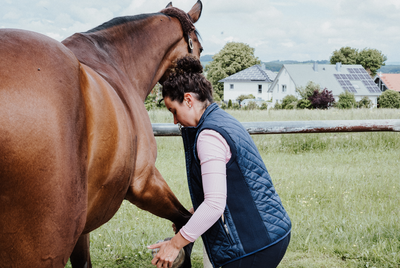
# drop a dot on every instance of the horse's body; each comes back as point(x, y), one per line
point(75, 137)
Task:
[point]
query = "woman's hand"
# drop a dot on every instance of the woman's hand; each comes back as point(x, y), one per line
point(166, 255)
point(168, 252)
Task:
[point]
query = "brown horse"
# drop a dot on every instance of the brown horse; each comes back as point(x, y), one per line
point(75, 137)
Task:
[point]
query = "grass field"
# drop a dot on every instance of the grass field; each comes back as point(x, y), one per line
point(341, 191)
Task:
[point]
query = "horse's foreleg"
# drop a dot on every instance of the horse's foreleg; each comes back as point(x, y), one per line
point(80, 257)
point(152, 193)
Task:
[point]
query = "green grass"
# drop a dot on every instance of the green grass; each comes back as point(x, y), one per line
point(341, 191)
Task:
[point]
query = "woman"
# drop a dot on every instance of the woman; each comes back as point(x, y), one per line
point(236, 209)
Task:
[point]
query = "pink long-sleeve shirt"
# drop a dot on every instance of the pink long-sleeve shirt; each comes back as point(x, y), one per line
point(213, 152)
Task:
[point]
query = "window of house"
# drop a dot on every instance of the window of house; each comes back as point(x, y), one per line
point(259, 89)
point(283, 88)
point(277, 88)
point(231, 86)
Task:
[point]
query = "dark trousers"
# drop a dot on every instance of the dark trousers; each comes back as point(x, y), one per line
point(267, 258)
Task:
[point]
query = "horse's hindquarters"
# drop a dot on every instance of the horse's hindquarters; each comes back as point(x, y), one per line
point(42, 151)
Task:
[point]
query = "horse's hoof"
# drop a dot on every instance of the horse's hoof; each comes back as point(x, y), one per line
point(179, 259)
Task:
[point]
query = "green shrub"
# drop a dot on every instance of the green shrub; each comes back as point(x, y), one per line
point(235, 106)
point(264, 106)
point(346, 101)
point(287, 100)
point(308, 90)
point(291, 106)
point(304, 104)
point(252, 105)
point(230, 104)
point(365, 102)
point(223, 106)
point(389, 99)
point(243, 97)
point(277, 106)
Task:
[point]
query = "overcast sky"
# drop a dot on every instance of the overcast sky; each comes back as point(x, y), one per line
point(278, 29)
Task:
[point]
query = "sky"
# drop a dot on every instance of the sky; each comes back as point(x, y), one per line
point(299, 30)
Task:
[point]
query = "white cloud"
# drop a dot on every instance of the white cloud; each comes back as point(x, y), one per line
point(277, 29)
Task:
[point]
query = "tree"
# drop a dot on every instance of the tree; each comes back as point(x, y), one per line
point(371, 59)
point(389, 99)
point(233, 57)
point(345, 55)
point(322, 100)
point(346, 101)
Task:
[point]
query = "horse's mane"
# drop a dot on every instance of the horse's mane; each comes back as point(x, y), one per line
point(118, 21)
point(184, 19)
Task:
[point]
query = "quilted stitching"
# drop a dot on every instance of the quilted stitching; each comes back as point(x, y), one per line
point(252, 167)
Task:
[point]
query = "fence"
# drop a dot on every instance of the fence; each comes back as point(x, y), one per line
point(289, 127)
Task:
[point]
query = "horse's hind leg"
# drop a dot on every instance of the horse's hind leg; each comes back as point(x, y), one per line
point(80, 257)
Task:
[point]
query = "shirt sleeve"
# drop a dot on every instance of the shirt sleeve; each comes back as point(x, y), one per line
point(213, 152)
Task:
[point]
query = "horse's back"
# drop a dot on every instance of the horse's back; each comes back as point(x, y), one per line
point(42, 151)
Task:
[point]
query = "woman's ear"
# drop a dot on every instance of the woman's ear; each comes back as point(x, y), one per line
point(188, 99)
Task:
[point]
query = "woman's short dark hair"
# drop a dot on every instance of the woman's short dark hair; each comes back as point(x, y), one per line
point(186, 77)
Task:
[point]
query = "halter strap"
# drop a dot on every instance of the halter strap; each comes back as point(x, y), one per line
point(186, 23)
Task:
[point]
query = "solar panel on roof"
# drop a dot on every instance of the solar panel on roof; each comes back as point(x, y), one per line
point(352, 89)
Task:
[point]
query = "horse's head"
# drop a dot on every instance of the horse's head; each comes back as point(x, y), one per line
point(189, 43)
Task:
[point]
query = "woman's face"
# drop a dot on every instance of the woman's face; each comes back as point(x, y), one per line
point(185, 113)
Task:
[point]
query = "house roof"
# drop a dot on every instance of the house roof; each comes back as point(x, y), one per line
point(336, 78)
point(392, 81)
point(253, 73)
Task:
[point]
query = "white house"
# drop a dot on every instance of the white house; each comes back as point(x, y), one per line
point(388, 81)
point(336, 78)
point(254, 80)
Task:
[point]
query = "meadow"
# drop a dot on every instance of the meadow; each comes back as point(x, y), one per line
point(341, 191)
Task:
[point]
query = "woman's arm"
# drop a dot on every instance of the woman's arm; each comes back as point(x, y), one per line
point(214, 153)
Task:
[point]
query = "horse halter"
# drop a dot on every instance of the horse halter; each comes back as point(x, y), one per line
point(189, 39)
point(186, 23)
point(190, 44)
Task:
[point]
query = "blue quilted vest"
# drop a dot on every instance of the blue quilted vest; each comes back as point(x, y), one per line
point(254, 218)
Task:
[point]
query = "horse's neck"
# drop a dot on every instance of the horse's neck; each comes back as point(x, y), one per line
point(132, 59)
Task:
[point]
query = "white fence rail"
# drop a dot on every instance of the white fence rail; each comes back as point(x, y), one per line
point(289, 127)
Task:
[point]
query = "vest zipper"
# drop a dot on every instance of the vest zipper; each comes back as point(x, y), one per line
point(228, 234)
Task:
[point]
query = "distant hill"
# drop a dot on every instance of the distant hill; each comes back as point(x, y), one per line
point(206, 59)
point(276, 65)
point(390, 69)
